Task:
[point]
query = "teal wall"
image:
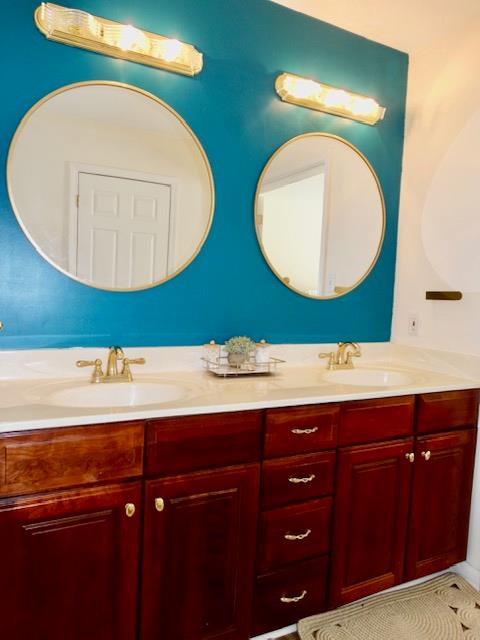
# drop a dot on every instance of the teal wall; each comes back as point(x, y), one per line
point(240, 121)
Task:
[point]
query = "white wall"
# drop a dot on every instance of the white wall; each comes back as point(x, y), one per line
point(439, 232)
point(292, 231)
point(354, 217)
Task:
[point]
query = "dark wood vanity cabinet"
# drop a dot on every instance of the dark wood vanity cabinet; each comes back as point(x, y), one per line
point(402, 506)
point(371, 516)
point(70, 564)
point(199, 548)
point(200, 528)
point(295, 518)
point(70, 521)
point(441, 494)
point(229, 525)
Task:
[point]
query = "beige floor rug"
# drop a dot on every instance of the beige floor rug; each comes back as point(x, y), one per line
point(445, 608)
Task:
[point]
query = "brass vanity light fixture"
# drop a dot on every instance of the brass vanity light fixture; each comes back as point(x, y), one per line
point(322, 97)
point(81, 29)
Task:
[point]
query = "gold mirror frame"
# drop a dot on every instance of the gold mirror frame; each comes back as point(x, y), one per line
point(319, 134)
point(172, 111)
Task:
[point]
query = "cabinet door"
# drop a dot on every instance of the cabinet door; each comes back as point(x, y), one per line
point(373, 484)
point(70, 564)
point(199, 551)
point(442, 487)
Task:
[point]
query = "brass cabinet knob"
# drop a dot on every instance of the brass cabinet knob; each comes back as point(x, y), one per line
point(299, 432)
point(303, 480)
point(159, 504)
point(288, 600)
point(410, 457)
point(298, 536)
point(129, 509)
point(426, 455)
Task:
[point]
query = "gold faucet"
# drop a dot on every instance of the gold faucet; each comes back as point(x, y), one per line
point(342, 358)
point(115, 354)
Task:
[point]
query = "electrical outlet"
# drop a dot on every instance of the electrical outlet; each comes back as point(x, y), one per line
point(413, 324)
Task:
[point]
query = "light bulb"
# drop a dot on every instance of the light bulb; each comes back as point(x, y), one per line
point(171, 49)
point(336, 98)
point(131, 38)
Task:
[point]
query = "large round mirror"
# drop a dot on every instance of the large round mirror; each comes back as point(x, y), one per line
point(319, 215)
point(110, 185)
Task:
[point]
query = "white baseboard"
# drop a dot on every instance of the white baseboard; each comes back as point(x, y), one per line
point(276, 634)
point(468, 572)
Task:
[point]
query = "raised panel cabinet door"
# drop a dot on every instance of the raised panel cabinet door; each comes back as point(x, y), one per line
point(442, 488)
point(70, 564)
point(199, 552)
point(372, 499)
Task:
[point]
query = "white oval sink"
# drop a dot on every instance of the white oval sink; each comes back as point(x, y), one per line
point(369, 377)
point(117, 394)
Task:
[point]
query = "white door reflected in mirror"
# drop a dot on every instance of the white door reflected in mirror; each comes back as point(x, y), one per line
point(319, 215)
point(110, 185)
point(124, 232)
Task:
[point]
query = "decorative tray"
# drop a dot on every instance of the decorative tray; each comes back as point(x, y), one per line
point(219, 366)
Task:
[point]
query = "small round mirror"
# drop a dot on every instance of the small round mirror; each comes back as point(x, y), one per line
point(319, 215)
point(110, 185)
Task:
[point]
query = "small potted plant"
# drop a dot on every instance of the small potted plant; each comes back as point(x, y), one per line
point(239, 349)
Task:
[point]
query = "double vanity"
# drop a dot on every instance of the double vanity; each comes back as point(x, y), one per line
point(141, 497)
point(184, 506)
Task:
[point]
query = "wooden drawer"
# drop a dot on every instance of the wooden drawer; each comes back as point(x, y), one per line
point(300, 429)
point(372, 420)
point(69, 456)
point(284, 597)
point(200, 442)
point(297, 478)
point(294, 533)
point(448, 410)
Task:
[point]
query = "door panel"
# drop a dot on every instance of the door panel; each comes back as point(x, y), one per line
point(370, 524)
point(123, 231)
point(441, 495)
point(199, 552)
point(70, 565)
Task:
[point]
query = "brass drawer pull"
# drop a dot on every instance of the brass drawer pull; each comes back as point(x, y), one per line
point(298, 536)
point(306, 432)
point(159, 504)
point(303, 480)
point(288, 600)
point(410, 457)
point(129, 509)
point(426, 455)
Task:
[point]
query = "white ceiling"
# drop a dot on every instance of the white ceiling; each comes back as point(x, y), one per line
point(409, 25)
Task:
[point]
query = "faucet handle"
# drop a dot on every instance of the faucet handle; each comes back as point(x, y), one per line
point(134, 361)
point(350, 355)
point(97, 374)
point(331, 358)
point(89, 363)
point(126, 366)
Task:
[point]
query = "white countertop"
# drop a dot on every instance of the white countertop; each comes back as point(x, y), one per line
point(25, 402)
